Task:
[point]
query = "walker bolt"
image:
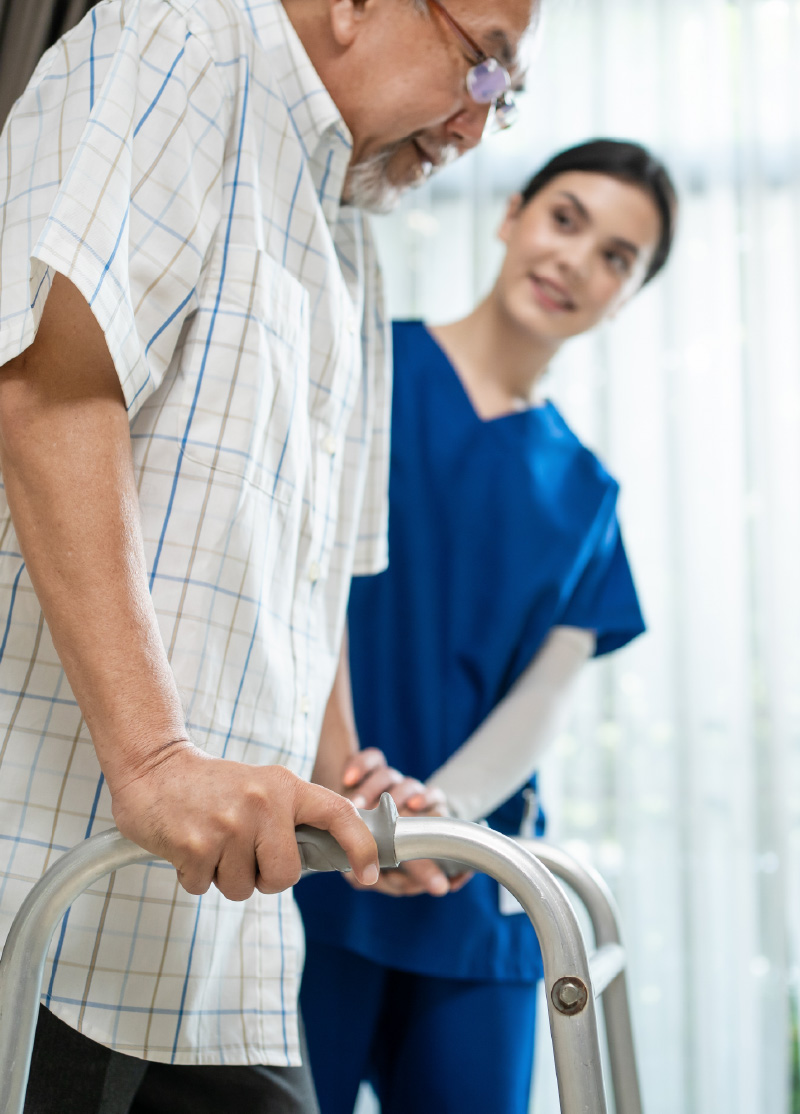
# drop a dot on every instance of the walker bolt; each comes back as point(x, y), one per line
point(569, 995)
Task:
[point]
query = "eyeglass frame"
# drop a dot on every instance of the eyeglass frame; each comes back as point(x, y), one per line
point(504, 107)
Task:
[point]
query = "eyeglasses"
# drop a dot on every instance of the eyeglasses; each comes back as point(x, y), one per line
point(487, 81)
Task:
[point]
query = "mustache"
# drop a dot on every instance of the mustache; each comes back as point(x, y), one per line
point(368, 185)
point(441, 155)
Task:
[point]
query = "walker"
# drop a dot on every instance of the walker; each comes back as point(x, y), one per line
point(572, 979)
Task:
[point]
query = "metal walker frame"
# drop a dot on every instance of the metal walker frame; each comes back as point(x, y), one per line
point(572, 979)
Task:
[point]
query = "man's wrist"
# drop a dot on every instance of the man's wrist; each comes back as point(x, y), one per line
point(123, 764)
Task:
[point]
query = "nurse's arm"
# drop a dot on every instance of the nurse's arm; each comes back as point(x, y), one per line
point(363, 775)
point(504, 752)
point(360, 775)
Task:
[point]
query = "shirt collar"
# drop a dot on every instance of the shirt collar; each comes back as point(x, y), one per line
point(317, 121)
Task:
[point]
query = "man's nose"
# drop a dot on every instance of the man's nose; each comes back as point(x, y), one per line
point(465, 129)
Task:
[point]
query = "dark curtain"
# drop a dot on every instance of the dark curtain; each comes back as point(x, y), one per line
point(27, 29)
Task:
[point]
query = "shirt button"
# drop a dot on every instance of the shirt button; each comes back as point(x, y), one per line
point(352, 323)
point(314, 572)
point(330, 445)
point(305, 705)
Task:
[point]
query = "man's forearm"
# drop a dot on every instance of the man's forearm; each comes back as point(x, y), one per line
point(65, 453)
point(66, 459)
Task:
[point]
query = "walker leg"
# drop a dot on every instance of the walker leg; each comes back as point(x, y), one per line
point(573, 1021)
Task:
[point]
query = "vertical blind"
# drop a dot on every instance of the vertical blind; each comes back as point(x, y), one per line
point(679, 773)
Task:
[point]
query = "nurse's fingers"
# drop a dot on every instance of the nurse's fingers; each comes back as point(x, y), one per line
point(372, 788)
point(403, 791)
point(394, 882)
point(360, 765)
point(428, 875)
point(428, 801)
point(458, 881)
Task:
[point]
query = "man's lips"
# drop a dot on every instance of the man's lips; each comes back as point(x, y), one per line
point(435, 155)
point(428, 161)
point(551, 295)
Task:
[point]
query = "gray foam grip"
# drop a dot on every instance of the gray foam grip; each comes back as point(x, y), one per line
point(320, 851)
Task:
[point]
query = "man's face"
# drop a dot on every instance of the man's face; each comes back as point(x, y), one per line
point(412, 113)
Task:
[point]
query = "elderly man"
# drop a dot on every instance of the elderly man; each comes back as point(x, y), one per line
point(193, 441)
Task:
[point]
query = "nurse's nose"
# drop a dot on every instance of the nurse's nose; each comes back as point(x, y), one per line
point(576, 258)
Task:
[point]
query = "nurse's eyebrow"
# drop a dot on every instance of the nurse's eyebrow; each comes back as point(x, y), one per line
point(583, 212)
point(626, 245)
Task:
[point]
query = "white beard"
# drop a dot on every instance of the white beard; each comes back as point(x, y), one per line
point(368, 186)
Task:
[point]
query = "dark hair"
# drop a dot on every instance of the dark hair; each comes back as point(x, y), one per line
point(629, 162)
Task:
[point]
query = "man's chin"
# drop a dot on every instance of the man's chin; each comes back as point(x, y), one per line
point(377, 186)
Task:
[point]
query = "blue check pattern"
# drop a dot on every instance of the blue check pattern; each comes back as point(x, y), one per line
point(182, 164)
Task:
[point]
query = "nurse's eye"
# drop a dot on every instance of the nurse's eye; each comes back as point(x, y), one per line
point(563, 218)
point(619, 262)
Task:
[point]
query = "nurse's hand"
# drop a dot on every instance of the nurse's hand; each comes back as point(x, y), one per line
point(366, 777)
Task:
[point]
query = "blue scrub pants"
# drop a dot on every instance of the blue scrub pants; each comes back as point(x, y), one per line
point(425, 1044)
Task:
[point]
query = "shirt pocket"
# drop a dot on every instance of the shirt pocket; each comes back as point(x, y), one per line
point(244, 410)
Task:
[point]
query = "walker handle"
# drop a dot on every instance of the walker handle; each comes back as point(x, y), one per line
point(320, 851)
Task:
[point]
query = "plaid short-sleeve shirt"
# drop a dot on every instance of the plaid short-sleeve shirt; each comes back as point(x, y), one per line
point(181, 162)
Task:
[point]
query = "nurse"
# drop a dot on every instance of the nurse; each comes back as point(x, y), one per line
point(507, 571)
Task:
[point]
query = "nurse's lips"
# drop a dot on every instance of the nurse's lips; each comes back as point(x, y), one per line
point(551, 295)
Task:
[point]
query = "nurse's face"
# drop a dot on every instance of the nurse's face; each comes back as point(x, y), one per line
point(575, 253)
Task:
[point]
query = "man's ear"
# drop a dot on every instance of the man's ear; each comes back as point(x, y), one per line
point(513, 210)
point(346, 15)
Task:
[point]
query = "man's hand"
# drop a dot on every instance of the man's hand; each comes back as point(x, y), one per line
point(365, 778)
point(64, 433)
point(232, 824)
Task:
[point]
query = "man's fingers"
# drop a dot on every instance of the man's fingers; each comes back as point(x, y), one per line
point(195, 871)
point(279, 866)
point(324, 809)
point(194, 858)
point(195, 881)
point(236, 872)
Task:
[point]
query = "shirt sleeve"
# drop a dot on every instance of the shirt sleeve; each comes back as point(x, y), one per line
point(110, 166)
point(604, 599)
point(372, 546)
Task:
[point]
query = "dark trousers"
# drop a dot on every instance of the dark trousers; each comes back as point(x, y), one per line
point(71, 1074)
point(437, 1045)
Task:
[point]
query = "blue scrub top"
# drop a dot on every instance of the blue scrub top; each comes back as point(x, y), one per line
point(498, 531)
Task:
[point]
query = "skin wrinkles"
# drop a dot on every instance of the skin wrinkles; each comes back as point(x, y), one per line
point(418, 115)
point(398, 81)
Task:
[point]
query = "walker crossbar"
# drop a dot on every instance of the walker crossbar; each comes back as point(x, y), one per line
point(570, 997)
